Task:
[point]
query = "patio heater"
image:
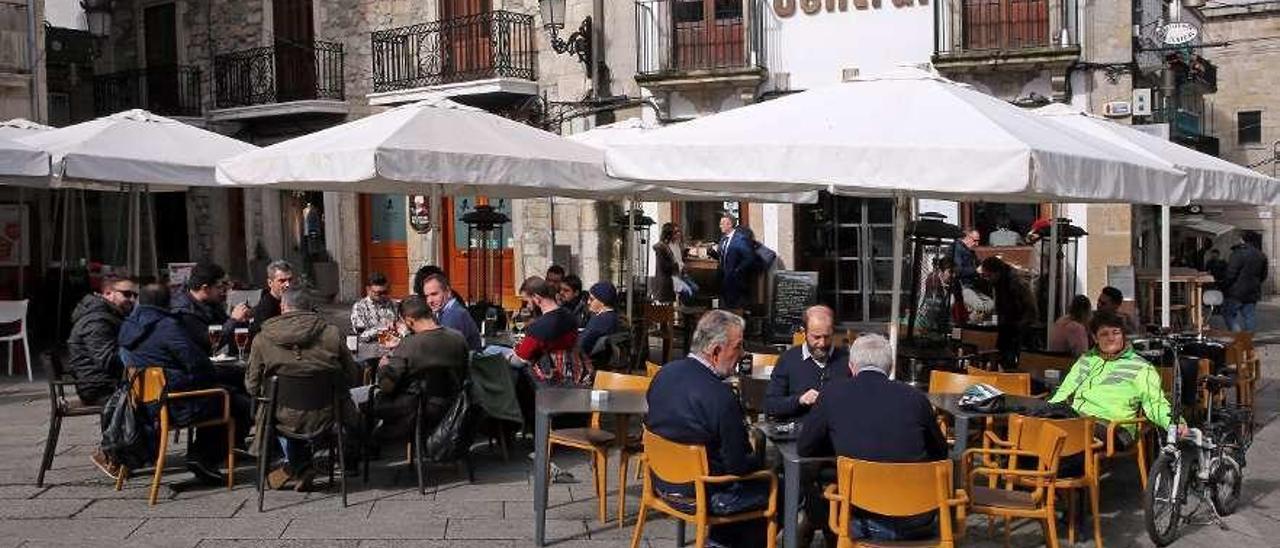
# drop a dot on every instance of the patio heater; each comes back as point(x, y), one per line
point(1068, 234)
point(931, 237)
point(634, 227)
point(485, 235)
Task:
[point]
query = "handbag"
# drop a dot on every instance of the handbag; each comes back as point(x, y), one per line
point(128, 436)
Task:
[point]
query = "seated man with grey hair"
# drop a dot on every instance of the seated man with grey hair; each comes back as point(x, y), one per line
point(690, 403)
point(803, 371)
point(279, 279)
point(871, 417)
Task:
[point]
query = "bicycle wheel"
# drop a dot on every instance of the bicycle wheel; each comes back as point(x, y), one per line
point(1162, 506)
point(1224, 485)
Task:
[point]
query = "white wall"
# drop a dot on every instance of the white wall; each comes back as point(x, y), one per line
point(815, 48)
point(66, 14)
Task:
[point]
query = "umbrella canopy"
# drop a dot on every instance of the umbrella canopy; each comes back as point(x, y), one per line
point(908, 130)
point(1210, 180)
point(602, 136)
point(135, 147)
point(458, 149)
point(23, 165)
point(20, 127)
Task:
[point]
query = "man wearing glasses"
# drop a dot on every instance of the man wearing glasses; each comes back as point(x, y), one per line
point(94, 353)
point(202, 305)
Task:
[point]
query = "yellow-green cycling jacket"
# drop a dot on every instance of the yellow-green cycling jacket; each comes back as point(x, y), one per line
point(1115, 389)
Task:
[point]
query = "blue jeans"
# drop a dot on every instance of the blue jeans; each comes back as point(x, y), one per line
point(1240, 316)
point(297, 454)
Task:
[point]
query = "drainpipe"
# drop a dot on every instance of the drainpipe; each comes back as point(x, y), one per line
point(31, 61)
point(597, 47)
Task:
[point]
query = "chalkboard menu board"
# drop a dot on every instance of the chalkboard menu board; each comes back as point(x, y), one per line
point(793, 292)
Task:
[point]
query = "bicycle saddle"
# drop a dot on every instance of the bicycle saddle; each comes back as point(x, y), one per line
point(1216, 382)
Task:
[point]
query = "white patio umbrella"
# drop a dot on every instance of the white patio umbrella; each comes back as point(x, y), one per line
point(433, 145)
point(20, 127)
point(23, 165)
point(1210, 180)
point(908, 132)
point(135, 147)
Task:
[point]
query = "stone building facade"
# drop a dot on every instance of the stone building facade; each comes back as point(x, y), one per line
point(1246, 109)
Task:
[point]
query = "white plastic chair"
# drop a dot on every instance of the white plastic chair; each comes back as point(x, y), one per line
point(14, 312)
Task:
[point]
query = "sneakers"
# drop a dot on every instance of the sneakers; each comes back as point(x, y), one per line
point(205, 473)
point(100, 459)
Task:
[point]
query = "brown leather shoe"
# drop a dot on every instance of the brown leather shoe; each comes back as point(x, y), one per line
point(305, 480)
point(100, 459)
point(278, 478)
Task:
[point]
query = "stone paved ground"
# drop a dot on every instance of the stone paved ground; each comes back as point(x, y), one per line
point(78, 507)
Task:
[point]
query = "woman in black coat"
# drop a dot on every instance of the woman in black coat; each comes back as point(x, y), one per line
point(669, 262)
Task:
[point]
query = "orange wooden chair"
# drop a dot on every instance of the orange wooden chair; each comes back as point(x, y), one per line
point(660, 319)
point(898, 490)
point(597, 441)
point(1028, 494)
point(679, 463)
point(1017, 384)
point(1024, 433)
point(148, 387)
point(946, 382)
point(651, 369)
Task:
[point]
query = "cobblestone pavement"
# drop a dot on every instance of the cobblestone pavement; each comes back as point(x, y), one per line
point(78, 506)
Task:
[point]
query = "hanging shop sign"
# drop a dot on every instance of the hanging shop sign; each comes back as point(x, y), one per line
point(420, 214)
point(787, 8)
point(1178, 33)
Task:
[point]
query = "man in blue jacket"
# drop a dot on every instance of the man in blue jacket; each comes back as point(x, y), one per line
point(803, 371)
point(690, 403)
point(450, 309)
point(153, 337)
point(737, 260)
point(202, 305)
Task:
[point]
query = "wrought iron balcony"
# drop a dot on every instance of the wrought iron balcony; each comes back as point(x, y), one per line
point(169, 91)
point(676, 38)
point(281, 73)
point(1006, 31)
point(494, 44)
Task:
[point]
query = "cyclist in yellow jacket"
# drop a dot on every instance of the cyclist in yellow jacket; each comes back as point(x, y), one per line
point(1111, 382)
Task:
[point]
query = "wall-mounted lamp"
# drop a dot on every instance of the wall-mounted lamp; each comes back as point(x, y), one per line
point(578, 43)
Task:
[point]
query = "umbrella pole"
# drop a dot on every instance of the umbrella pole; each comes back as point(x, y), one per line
point(631, 260)
point(1164, 267)
point(22, 269)
point(899, 234)
point(62, 264)
point(1051, 297)
point(151, 223)
point(84, 226)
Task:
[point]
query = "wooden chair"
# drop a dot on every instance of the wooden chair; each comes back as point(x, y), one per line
point(659, 319)
point(843, 339)
point(896, 490)
point(597, 441)
point(678, 463)
point(1028, 494)
point(751, 391)
point(1242, 359)
point(59, 408)
point(1024, 434)
point(651, 369)
point(1036, 363)
point(1017, 384)
point(1138, 450)
point(983, 341)
point(946, 382)
point(148, 386)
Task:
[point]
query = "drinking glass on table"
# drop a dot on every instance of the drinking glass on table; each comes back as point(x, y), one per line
point(215, 338)
point(242, 340)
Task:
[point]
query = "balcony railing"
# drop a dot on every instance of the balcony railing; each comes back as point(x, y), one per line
point(169, 91)
point(494, 44)
point(997, 27)
point(281, 73)
point(675, 37)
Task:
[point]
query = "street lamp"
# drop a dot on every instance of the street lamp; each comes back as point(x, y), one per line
point(578, 43)
point(97, 14)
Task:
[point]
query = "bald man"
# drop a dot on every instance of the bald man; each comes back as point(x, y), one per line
point(801, 373)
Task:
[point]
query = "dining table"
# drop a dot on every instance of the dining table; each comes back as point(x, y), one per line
point(792, 469)
point(950, 404)
point(550, 402)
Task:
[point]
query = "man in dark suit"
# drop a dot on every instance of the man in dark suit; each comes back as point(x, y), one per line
point(736, 261)
point(803, 371)
point(689, 403)
point(871, 417)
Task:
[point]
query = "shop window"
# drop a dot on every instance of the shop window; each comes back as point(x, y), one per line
point(849, 243)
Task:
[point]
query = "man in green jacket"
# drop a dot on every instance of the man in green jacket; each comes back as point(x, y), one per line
point(1111, 382)
point(297, 342)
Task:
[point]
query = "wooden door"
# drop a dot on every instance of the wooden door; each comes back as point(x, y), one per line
point(1005, 24)
point(295, 55)
point(161, 57)
point(708, 34)
point(384, 239)
point(469, 49)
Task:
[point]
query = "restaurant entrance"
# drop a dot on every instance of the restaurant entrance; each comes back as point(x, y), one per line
point(464, 261)
point(384, 239)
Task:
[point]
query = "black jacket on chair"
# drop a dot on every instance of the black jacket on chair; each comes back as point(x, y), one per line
point(794, 375)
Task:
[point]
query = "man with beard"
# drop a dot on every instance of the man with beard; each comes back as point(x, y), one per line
point(94, 355)
point(803, 371)
point(201, 306)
